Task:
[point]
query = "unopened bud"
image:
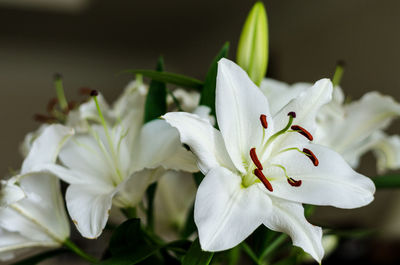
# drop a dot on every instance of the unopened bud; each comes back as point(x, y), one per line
point(252, 53)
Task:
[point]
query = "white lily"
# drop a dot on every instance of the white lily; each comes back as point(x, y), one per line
point(115, 164)
point(32, 210)
point(362, 121)
point(188, 100)
point(259, 168)
point(176, 190)
point(131, 101)
point(351, 129)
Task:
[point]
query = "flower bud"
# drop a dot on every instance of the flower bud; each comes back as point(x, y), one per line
point(252, 53)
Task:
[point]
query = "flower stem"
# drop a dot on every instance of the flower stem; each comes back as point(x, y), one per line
point(74, 248)
point(176, 101)
point(274, 245)
point(250, 252)
point(129, 212)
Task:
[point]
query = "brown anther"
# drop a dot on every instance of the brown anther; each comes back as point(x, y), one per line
point(43, 118)
point(57, 76)
point(263, 179)
point(51, 105)
point(292, 113)
point(254, 158)
point(303, 132)
point(85, 91)
point(94, 93)
point(293, 182)
point(263, 119)
point(72, 105)
point(311, 155)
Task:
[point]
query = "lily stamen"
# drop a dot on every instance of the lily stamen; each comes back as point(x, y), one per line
point(263, 179)
point(293, 182)
point(302, 131)
point(263, 119)
point(311, 155)
point(254, 158)
point(291, 115)
point(94, 94)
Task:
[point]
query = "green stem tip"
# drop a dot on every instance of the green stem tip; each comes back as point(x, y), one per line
point(337, 76)
point(74, 248)
point(60, 91)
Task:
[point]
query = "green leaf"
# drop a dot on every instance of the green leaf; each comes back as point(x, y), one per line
point(129, 245)
point(179, 249)
point(170, 78)
point(127, 236)
point(40, 257)
point(261, 238)
point(151, 191)
point(198, 177)
point(156, 100)
point(140, 254)
point(308, 210)
point(208, 92)
point(196, 256)
point(388, 181)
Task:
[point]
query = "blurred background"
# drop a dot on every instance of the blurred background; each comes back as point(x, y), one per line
point(90, 42)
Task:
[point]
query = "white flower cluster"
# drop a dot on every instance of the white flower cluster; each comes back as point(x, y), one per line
point(277, 147)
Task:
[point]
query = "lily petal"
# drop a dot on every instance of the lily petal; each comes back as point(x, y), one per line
point(371, 113)
point(333, 182)
point(46, 147)
point(67, 175)
point(158, 141)
point(288, 217)
point(10, 193)
point(89, 207)
point(132, 190)
point(133, 98)
point(12, 220)
point(239, 105)
point(13, 244)
point(129, 109)
point(306, 106)
point(387, 152)
point(86, 157)
point(172, 202)
point(280, 92)
point(41, 210)
point(182, 160)
point(226, 213)
point(203, 139)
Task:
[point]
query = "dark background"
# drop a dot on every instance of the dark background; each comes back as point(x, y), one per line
point(90, 43)
point(89, 46)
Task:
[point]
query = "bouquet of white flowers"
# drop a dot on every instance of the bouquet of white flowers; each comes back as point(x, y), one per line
point(212, 172)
